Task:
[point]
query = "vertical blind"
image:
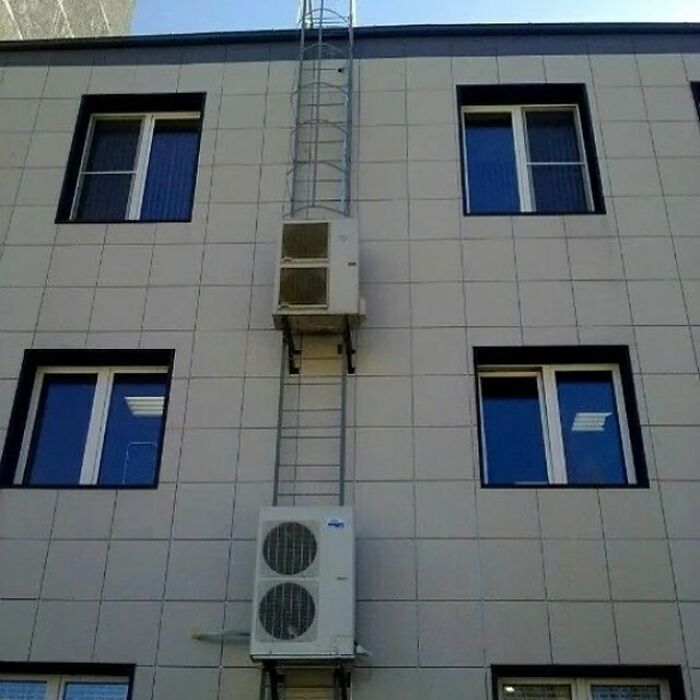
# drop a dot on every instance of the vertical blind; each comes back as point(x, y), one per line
point(555, 163)
point(105, 182)
point(513, 430)
point(555, 170)
point(60, 430)
point(491, 167)
point(171, 170)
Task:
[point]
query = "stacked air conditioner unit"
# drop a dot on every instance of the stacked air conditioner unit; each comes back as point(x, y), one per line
point(304, 596)
point(317, 280)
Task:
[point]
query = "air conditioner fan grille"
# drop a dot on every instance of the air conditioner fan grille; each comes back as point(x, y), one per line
point(289, 548)
point(286, 611)
point(303, 286)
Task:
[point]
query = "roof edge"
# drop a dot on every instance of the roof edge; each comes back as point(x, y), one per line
point(371, 32)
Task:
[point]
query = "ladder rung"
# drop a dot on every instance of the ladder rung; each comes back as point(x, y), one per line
point(310, 466)
point(320, 142)
point(309, 382)
point(326, 180)
point(308, 437)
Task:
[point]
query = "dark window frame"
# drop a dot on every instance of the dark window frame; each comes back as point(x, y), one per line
point(122, 104)
point(534, 94)
point(562, 355)
point(673, 675)
point(36, 359)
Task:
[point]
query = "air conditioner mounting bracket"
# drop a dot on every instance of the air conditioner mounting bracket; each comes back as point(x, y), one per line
point(349, 349)
point(292, 352)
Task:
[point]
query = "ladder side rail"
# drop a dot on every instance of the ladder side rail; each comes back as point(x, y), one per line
point(280, 418)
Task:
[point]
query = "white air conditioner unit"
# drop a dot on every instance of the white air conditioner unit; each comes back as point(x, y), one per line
point(304, 595)
point(317, 284)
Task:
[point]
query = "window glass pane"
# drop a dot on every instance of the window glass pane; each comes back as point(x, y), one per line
point(171, 170)
point(134, 429)
point(114, 144)
point(60, 429)
point(515, 449)
point(552, 137)
point(95, 691)
point(558, 188)
point(491, 172)
point(626, 692)
point(22, 690)
point(536, 692)
point(590, 428)
point(103, 198)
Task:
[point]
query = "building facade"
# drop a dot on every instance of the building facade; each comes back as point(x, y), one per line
point(46, 19)
point(523, 426)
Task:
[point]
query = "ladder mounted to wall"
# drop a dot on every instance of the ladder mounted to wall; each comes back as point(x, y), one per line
point(319, 178)
point(317, 302)
point(317, 299)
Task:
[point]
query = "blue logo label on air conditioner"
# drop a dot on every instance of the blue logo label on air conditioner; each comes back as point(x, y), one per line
point(336, 522)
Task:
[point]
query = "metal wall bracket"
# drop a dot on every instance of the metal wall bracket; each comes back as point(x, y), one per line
point(349, 348)
point(270, 668)
point(293, 353)
point(342, 682)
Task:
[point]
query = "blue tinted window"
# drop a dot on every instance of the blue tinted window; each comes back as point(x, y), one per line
point(558, 188)
point(558, 178)
point(95, 691)
point(515, 449)
point(171, 170)
point(60, 429)
point(590, 428)
point(552, 137)
point(114, 144)
point(104, 197)
point(22, 690)
point(104, 194)
point(134, 429)
point(491, 172)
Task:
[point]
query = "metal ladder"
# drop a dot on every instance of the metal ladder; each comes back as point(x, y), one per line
point(311, 433)
point(319, 179)
point(311, 428)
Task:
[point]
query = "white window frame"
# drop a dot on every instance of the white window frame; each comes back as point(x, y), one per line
point(141, 161)
point(517, 113)
point(553, 438)
point(581, 687)
point(56, 684)
point(97, 425)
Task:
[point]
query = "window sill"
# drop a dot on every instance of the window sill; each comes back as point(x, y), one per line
point(566, 487)
point(468, 214)
point(78, 487)
point(102, 222)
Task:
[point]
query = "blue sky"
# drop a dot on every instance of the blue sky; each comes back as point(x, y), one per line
point(178, 16)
